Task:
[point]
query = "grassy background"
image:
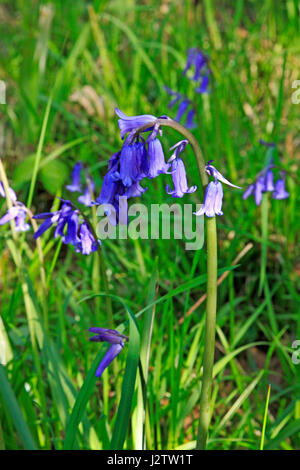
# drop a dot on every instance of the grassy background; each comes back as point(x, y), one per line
point(92, 57)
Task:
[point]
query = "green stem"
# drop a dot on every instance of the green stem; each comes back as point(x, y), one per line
point(211, 299)
point(210, 328)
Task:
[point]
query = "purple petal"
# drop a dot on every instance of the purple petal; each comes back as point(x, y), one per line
point(113, 351)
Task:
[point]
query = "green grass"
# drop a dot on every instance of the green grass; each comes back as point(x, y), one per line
point(126, 51)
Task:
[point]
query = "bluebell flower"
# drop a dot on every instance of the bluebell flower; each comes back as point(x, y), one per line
point(50, 218)
point(184, 108)
point(135, 190)
point(11, 193)
point(212, 200)
point(157, 164)
point(198, 60)
point(129, 171)
point(279, 191)
point(75, 186)
point(212, 171)
point(86, 198)
point(18, 214)
point(116, 340)
point(112, 187)
point(179, 180)
point(130, 123)
point(86, 243)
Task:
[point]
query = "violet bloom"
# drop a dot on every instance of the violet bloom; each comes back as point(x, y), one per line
point(280, 192)
point(11, 193)
point(157, 164)
point(86, 243)
point(18, 214)
point(179, 180)
point(75, 186)
point(212, 171)
point(112, 187)
point(212, 200)
point(184, 107)
point(129, 123)
point(129, 164)
point(86, 198)
point(199, 61)
point(116, 340)
point(135, 190)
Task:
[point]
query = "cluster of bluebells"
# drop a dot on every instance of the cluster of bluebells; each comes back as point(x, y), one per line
point(264, 181)
point(17, 212)
point(141, 159)
point(198, 72)
point(70, 227)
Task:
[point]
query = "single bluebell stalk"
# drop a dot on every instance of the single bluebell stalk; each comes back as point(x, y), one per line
point(116, 340)
point(212, 200)
point(265, 183)
point(75, 186)
point(279, 191)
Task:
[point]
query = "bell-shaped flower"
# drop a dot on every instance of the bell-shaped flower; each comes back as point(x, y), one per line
point(280, 192)
point(212, 200)
point(75, 186)
point(179, 180)
point(116, 340)
point(129, 123)
point(157, 164)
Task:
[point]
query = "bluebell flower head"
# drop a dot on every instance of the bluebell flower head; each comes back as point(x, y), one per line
point(185, 106)
point(112, 187)
point(179, 180)
point(11, 192)
point(116, 340)
point(75, 186)
point(157, 164)
point(129, 164)
point(18, 214)
point(212, 171)
point(86, 243)
point(280, 192)
point(130, 123)
point(135, 190)
point(86, 198)
point(178, 148)
point(212, 200)
point(269, 180)
point(196, 58)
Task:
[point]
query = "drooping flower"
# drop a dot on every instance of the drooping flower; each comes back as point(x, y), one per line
point(87, 243)
point(18, 214)
point(179, 180)
point(116, 340)
point(212, 171)
point(214, 193)
point(129, 123)
point(280, 192)
point(135, 190)
point(70, 227)
point(11, 192)
point(86, 198)
point(212, 200)
point(75, 186)
point(185, 107)
point(157, 164)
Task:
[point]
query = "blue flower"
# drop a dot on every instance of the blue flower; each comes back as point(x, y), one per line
point(86, 243)
point(75, 186)
point(11, 193)
point(18, 214)
point(116, 340)
point(212, 200)
point(280, 192)
point(157, 164)
point(199, 61)
point(212, 171)
point(184, 105)
point(86, 198)
point(179, 180)
point(130, 123)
